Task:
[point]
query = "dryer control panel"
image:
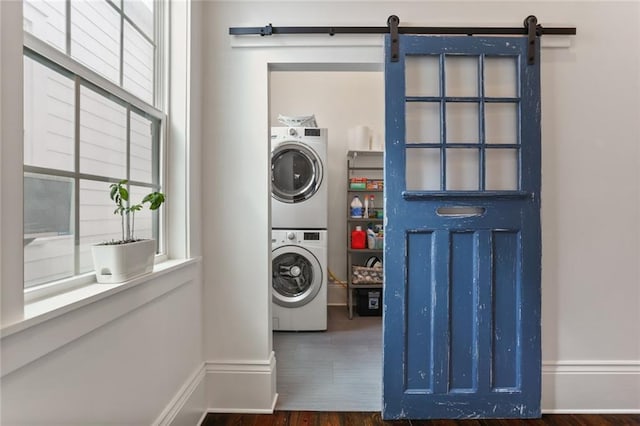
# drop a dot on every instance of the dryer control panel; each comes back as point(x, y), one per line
point(300, 237)
point(312, 236)
point(308, 131)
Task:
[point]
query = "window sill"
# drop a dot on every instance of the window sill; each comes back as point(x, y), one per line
point(42, 310)
point(50, 323)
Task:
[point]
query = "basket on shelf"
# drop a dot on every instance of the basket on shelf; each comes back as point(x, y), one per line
point(366, 275)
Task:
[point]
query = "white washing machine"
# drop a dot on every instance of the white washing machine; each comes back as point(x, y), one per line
point(299, 280)
point(299, 195)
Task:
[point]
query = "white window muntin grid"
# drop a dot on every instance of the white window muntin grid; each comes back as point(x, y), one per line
point(154, 39)
point(148, 112)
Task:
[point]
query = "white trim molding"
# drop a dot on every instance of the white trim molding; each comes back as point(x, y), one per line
point(569, 387)
point(591, 367)
point(187, 407)
point(350, 40)
point(241, 386)
point(591, 386)
point(93, 307)
point(65, 61)
point(11, 160)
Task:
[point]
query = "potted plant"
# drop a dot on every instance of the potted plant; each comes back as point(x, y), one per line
point(121, 260)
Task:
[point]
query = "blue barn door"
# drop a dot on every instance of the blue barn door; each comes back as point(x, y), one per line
point(462, 234)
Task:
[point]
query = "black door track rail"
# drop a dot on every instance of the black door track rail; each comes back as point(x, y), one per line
point(531, 29)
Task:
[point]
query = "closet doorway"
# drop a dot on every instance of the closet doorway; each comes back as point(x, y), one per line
point(339, 369)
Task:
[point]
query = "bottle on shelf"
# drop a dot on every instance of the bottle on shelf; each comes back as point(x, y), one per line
point(358, 238)
point(372, 210)
point(356, 207)
point(371, 238)
point(366, 207)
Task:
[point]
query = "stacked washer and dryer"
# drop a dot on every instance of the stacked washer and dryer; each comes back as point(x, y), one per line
point(299, 218)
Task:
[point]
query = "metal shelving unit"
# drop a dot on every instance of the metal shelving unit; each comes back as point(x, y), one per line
point(372, 166)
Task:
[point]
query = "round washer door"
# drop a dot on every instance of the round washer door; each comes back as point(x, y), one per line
point(296, 276)
point(296, 172)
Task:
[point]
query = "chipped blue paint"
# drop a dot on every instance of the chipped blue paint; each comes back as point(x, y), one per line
point(462, 293)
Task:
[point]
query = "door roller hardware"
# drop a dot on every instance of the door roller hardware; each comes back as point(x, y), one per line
point(531, 29)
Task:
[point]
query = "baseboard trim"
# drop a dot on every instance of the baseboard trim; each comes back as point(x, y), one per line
point(248, 410)
point(202, 417)
point(241, 365)
point(178, 402)
point(591, 411)
point(591, 367)
point(560, 381)
point(241, 386)
point(577, 386)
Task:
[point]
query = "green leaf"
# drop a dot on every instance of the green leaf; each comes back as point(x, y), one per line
point(114, 190)
point(124, 194)
point(155, 199)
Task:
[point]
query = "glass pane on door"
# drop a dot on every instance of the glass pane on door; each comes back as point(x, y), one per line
point(501, 166)
point(422, 76)
point(423, 122)
point(500, 76)
point(462, 122)
point(501, 123)
point(423, 169)
point(462, 169)
point(461, 76)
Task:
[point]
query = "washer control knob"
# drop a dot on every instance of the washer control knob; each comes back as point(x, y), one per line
point(291, 235)
point(293, 132)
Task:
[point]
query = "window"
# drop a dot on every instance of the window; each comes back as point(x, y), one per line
point(90, 73)
point(114, 38)
point(462, 124)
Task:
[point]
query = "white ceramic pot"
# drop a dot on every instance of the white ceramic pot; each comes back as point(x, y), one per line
point(122, 262)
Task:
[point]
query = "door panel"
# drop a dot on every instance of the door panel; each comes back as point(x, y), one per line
point(462, 232)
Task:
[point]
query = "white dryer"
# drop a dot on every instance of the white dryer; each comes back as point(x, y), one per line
point(299, 195)
point(299, 280)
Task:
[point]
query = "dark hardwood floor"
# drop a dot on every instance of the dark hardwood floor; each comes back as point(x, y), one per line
point(315, 418)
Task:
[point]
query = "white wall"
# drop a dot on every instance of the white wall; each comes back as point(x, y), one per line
point(133, 355)
point(340, 100)
point(120, 371)
point(591, 299)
